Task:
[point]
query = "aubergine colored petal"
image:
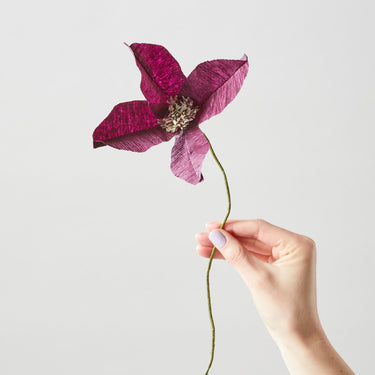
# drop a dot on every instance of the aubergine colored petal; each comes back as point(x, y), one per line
point(161, 74)
point(214, 84)
point(188, 154)
point(130, 126)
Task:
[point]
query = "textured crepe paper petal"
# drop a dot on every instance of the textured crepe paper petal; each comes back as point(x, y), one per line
point(188, 154)
point(214, 84)
point(141, 141)
point(161, 74)
point(130, 126)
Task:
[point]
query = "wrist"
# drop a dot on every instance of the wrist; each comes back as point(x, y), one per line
point(306, 340)
point(304, 335)
point(312, 353)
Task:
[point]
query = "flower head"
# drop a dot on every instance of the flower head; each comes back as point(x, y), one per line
point(174, 106)
point(181, 112)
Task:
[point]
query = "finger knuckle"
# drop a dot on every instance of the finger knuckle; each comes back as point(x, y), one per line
point(309, 242)
point(308, 245)
point(260, 221)
point(260, 224)
point(235, 256)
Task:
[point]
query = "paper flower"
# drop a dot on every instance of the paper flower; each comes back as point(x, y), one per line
point(175, 106)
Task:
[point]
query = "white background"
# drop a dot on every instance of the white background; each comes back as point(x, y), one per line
point(98, 269)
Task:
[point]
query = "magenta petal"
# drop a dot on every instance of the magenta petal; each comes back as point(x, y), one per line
point(188, 154)
point(161, 74)
point(214, 84)
point(142, 141)
point(130, 126)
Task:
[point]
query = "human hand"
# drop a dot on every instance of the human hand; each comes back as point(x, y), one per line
point(278, 266)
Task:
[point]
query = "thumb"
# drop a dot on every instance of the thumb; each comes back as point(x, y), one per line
point(233, 251)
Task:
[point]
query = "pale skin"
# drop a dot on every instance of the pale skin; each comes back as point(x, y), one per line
point(278, 266)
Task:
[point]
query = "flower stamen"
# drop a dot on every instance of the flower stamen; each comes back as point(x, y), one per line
point(181, 112)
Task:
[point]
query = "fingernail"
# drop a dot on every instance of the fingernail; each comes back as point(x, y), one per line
point(217, 238)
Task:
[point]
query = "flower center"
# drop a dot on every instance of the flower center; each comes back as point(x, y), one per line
point(181, 111)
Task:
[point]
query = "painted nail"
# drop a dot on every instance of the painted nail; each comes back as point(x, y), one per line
point(217, 239)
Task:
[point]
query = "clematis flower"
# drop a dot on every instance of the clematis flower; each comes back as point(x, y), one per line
point(175, 106)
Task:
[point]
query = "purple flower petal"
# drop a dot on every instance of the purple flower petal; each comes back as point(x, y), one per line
point(214, 84)
point(130, 126)
point(188, 154)
point(161, 74)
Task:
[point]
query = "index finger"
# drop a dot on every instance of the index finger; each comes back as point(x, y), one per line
point(258, 229)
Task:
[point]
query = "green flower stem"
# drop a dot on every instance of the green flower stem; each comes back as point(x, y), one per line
point(212, 255)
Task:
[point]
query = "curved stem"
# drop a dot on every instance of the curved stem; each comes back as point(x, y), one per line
point(212, 255)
